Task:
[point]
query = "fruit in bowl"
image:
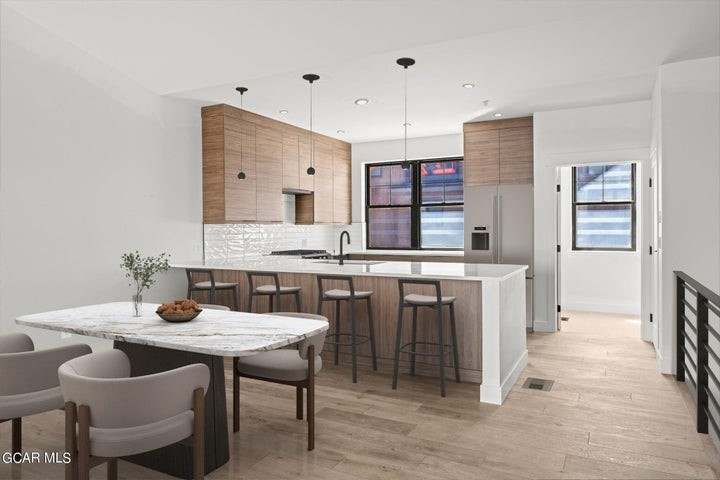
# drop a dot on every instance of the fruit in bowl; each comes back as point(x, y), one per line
point(179, 311)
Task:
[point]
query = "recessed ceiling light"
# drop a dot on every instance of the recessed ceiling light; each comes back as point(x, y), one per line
point(340, 132)
point(497, 114)
point(283, 112)
point(362, 101)
point(468, 85)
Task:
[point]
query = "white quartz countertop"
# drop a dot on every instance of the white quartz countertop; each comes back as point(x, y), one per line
point(410, 253)
point(213, 332)
point(441, 270)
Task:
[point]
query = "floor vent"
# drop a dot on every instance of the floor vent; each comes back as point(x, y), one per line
point(538, 384)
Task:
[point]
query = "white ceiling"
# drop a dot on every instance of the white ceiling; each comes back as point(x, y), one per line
point(523, 55)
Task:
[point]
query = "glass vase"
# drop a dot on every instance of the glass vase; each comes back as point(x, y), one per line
point(137, 305)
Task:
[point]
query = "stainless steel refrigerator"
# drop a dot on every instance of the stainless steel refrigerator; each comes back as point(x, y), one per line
point(499, 229)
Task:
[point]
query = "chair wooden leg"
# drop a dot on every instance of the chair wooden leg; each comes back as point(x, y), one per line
point(16, 435)
point(299, 403)
point(83, 442)
point(236, 396)
point(311, 397)
point(199, 434)
point(112, 471)
point(71, 468)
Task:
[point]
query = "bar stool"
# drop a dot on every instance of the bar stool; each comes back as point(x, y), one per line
point(271, 291)
point(350, 296)
point(435, 302)
point(211, 285)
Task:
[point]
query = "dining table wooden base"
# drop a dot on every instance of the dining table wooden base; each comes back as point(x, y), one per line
point(176, 459)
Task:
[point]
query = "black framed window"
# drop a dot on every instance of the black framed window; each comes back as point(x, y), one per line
point(604, 207)
point(416, 208)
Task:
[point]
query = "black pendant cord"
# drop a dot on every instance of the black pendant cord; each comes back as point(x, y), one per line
point(311, 77)
point(405, 63)
point(241, 174)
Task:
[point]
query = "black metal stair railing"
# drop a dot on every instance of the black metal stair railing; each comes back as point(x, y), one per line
point(698, 348)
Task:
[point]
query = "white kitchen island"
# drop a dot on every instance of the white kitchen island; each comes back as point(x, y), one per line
point(490, 308)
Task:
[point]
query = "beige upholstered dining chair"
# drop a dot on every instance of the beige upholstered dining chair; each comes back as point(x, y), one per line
point(288, 367)
point(109, 414)
point(29, 380)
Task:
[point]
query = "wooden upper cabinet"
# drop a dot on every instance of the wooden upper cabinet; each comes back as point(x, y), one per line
point(274, 156)
point(482, 158)
point(291, 161)
point(269, 164)
point(323, 182)
point(516, 155)
point(341, 186)
point(240, 195)
point(498, 152)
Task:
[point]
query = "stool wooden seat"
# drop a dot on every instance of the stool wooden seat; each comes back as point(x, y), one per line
point(209, 285)
point(273, 292)
point(350, 296)
point(435, 302)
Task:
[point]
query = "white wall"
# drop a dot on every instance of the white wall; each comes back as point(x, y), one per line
point(596, 281)
point(600, 134)
point(91, 166)
point(393, 150)
point(687, 121)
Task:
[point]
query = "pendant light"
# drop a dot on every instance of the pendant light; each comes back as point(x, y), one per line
point(311, 77)
point(241, 175)
point(405, 63)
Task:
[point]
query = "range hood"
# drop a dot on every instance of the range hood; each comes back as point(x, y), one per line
point(296, 191)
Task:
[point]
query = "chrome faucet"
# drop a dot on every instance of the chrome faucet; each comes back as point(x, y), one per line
point(341, 258)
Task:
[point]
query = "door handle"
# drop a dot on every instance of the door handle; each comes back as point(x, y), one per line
point(499, 234)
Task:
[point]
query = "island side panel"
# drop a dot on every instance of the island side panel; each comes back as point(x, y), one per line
point(468, 313)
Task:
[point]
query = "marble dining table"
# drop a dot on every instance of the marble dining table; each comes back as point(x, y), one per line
point(154, 345)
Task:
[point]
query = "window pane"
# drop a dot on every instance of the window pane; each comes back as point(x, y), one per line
point(441, 227)
point(379, 195)
point(399, 176)
point(603, 226)
point(590, 173)
point(379, 175)
point(589, 191)
point(618, 191)
point(618, 173)
point(400, 195)
point(389, 227)
point(454, 192)
point(433, 193)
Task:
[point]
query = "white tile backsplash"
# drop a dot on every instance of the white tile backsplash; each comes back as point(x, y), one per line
point(235, 242)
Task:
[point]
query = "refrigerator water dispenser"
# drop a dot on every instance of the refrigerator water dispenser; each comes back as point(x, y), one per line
point(480, 238)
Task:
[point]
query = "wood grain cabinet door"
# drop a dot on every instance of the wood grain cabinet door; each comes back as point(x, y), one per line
point(516, 155)
point(269, 161)
point(291, 160)
point(341, 186)
point(240, 195)
point(323, 182)
point(305, 181)
point(482, 158)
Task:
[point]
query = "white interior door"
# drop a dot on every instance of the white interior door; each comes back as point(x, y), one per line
point(656, 245)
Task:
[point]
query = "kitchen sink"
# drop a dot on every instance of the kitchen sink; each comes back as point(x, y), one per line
point(350, 262)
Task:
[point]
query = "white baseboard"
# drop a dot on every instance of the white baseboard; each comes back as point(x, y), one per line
point(495, 394)
point(583, 306)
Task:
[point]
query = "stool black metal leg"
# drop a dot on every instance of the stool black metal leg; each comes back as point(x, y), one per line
point(189, 293)
point(320, 302)
point(250, 302)
point(441, 339)
point(398, 335)
point(236, 305)
point(212, 296)
point(371, 330)
point(353, 347)
point(271, 302)
point(414, 340)
point(277, 302)
point(454, 343)
point(337, 331)
point(297, 301)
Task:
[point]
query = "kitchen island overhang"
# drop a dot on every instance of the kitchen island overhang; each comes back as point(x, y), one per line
point(490, 310)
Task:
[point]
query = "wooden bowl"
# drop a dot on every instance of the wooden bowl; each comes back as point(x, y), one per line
point(178, 317)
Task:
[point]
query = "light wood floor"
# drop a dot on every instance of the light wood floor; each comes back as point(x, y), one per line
point(610, 414)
